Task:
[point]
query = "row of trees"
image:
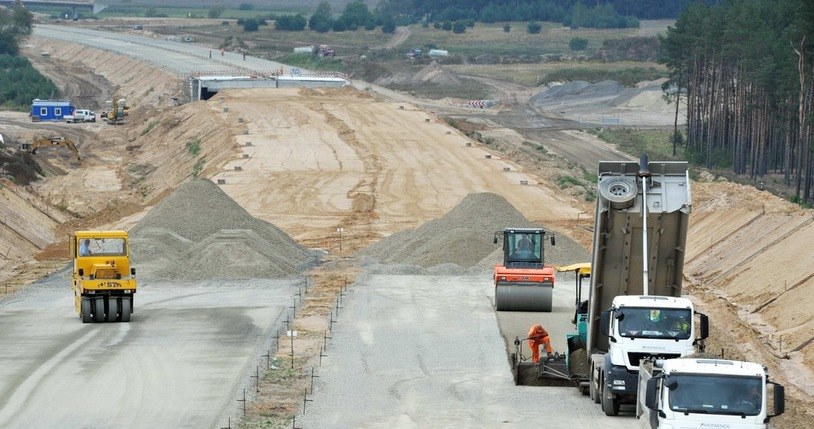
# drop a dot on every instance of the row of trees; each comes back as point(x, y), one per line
point(643, 9)
point(15, 25)
point(572, 13)
point(354, 16)
point(747, 67)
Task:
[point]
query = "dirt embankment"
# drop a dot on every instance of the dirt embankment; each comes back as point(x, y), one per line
point(322, 158)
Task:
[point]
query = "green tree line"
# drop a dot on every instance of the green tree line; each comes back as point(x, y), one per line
point(747, 68)
point(15, 25)
point(20, 82)
point(571, 13)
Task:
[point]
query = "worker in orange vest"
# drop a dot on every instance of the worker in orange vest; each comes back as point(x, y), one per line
point(537, 335)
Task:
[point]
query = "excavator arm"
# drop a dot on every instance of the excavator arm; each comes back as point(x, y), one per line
point(55, 141)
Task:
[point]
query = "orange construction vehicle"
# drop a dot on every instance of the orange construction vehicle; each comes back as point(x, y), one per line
point(523, 282)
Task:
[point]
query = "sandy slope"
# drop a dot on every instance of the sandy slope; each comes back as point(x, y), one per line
point(319, 160)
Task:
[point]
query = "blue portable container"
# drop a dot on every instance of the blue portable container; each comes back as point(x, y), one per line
point(50, 110)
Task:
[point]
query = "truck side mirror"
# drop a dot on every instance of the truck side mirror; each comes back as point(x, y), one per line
point(132, 271)
point(553, 241)
point(81, 272)
point(779, 399)
point(704, 327)
point(650, 394)
point(604, 323)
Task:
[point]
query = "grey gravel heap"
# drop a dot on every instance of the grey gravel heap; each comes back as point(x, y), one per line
point(463, 236)
point(462, 239)
point(198, 233)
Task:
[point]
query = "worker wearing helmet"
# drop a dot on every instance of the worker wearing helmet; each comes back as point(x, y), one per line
point(538, 335)
point(680, 324)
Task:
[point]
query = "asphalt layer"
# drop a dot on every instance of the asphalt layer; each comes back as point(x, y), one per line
point(179, 363)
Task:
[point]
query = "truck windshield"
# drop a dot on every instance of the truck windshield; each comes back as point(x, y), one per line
point(716, 394)
point(674, 323)
point(101, 247)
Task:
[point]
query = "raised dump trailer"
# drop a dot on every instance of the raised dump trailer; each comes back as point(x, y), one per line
point(635, 309)
point(705, 393)
point(523, 282)
point(103, 280)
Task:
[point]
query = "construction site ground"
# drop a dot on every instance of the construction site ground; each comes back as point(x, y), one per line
point(374, 163)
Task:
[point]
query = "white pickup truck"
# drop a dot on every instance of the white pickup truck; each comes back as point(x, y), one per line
point(81, 115)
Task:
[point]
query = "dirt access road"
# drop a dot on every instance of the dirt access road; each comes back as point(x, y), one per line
point(736, 294)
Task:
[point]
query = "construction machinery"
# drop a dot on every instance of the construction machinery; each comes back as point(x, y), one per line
point(523, 282)
point(325, 51)
point(117, 112)
point(557, 368)
point(706, 393)
point(51, 141)
point(103, 280)
point(634, 308)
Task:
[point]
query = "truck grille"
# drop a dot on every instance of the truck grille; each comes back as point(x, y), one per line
point(636, 357)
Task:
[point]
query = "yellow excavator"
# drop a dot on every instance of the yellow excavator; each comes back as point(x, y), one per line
point(52, 141)
point(117, 111)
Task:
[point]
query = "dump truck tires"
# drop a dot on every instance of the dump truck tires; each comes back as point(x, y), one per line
point(515, 297)
point(610, 405)
point(592, 387)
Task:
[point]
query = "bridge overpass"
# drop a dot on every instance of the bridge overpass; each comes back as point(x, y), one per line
point(75, 5)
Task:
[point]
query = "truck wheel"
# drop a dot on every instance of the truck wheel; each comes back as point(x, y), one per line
point(610, 405)
point(620, 192)
point(592, 388)
point(85, 310)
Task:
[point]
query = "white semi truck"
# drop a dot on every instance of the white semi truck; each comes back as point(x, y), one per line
point(706, 393)
point(635, 310)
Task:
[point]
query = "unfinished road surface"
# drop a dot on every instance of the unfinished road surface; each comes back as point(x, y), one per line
point(179, 363)
point(425, 351)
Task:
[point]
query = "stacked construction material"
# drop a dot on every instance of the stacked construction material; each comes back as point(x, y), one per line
point(464, 237)
point(199, 233)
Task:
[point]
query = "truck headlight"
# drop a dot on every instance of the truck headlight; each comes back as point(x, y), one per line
point(618, 382)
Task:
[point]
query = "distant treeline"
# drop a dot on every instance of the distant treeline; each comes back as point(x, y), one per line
point(571, 13)
point(20, 83)
point(747, 67)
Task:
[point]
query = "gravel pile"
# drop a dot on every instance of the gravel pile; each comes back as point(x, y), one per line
point(198, 233)
point(461, 242)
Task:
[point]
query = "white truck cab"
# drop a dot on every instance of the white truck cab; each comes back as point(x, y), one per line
point(641, 327)
point(705, 393)
point(81, 115)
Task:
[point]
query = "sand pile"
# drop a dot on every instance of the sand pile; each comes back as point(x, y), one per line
point(463, 239)
point(435, 74)
point(198, 232)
